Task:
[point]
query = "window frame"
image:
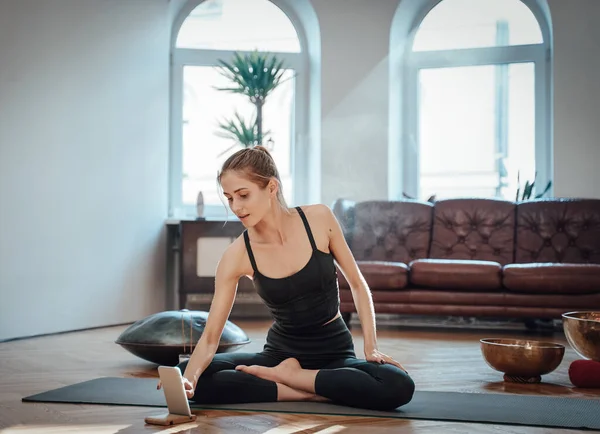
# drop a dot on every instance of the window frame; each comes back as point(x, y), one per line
point(299, 158)
point(411, 62)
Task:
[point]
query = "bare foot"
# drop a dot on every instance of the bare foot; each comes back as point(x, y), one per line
point(279, 374)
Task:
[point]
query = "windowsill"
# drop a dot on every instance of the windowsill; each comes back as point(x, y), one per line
point(177, 220)
point(188, 213)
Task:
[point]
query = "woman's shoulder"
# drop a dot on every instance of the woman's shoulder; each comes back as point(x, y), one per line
point(320, 218)
point(317, 211)
point(234, 258)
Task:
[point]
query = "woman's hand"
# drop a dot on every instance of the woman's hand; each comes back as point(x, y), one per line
point(188, 386)
point(378, 357)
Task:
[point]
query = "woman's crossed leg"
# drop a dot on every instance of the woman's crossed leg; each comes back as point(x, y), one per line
point(352, 382)
point(221, 383)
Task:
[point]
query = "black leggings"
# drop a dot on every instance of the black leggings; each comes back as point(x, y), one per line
point(343, 380)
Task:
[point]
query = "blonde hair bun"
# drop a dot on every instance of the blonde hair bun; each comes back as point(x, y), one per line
point(263, 149)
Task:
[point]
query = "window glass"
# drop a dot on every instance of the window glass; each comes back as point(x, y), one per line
point(454, 24)
point(204, 151)
point(243, 25)
point(476, 130)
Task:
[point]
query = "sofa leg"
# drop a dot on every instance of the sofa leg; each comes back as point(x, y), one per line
point(347, 316)
point(539, 324)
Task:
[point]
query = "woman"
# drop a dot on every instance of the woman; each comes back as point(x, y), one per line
point(289, 254)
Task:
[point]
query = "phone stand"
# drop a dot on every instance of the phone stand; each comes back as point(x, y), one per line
point(169, 419)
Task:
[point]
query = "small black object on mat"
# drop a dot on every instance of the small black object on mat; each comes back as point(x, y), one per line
point(529, 410)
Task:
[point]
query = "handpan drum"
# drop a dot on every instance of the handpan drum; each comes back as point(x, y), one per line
point(160, 338)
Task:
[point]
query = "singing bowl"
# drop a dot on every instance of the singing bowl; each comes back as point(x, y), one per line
point(162, 337)
point(522, 360)
point(582, 330)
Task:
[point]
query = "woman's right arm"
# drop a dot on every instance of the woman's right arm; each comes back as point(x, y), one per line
point(229, 270)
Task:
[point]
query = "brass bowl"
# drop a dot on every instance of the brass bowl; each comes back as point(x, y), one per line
point(582, 330)
point(521, 360)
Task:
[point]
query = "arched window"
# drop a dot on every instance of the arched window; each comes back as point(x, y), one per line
point(474, 83)
point(205, 33)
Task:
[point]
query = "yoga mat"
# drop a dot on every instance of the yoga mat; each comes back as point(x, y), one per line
point(530, 410)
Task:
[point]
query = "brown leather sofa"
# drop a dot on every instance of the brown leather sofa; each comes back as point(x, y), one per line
point(475, 257)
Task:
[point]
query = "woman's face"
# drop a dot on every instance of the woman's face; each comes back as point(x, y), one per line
point(246, 199)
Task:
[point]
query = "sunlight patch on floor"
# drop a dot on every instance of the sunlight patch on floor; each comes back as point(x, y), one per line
point(312, 427)
point(46, 429)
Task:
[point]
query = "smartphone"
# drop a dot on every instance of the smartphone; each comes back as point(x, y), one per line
point(172, 385)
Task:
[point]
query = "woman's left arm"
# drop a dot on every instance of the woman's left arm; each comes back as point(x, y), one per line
point(359, 287)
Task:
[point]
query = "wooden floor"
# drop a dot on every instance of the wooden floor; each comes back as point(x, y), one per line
point(447, 360)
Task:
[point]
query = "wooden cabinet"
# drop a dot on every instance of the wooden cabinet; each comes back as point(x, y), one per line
point(195, 247)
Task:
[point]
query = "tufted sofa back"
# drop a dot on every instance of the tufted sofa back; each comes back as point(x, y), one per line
point(543, 230)
point(558, 230)
point(479, 229)
point(390, 231)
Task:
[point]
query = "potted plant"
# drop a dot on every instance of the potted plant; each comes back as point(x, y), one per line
point(528, 188)
point(254, 75)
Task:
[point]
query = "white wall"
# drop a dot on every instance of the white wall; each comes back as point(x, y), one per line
point(576, 97)
point(83, 162)
point(355, 45)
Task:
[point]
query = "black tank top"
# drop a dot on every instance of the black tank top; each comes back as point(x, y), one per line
point(308, 298)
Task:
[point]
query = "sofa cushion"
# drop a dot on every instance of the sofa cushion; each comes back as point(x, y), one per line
point(558, 230)
point(552, 278)
point(456, 274)
point(476, 229)
point(380, 275)
point(391, 231)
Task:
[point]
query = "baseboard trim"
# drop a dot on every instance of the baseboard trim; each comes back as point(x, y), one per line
point(42, 335)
